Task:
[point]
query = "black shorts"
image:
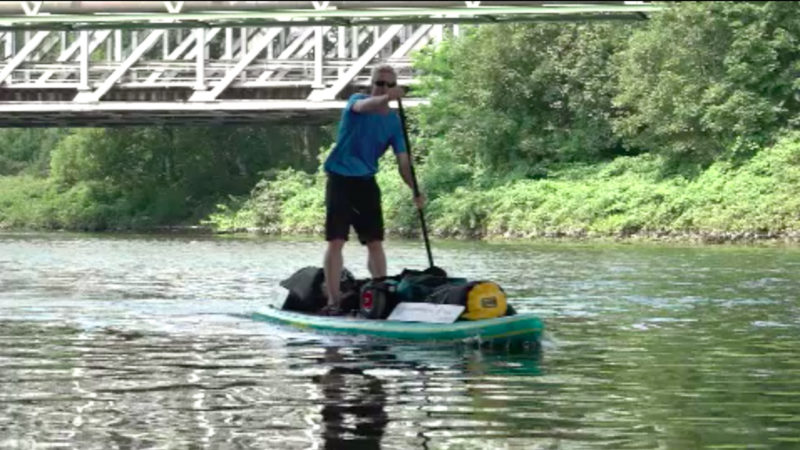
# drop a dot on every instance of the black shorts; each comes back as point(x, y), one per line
point(353, 201)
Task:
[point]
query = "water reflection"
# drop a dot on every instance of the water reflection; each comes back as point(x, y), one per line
point(63, 386)
point(442, 393)
point(353, 403)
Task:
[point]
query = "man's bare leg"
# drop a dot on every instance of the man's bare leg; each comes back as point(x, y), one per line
point(332, 266)
point(376, 259)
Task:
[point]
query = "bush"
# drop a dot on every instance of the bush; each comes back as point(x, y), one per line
point(724, 86)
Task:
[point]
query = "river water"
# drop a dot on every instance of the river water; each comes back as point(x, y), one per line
point(122, 341)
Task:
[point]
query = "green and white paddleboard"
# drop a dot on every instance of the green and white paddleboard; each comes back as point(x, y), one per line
point(519, 328)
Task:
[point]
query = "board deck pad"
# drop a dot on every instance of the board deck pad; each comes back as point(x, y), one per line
point(425, 312)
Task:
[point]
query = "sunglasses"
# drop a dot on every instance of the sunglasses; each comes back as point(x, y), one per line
point(381, 83)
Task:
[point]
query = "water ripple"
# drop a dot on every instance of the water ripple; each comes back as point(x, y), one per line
point(143, 342)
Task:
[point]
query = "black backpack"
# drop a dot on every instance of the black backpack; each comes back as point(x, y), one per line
point(306, 295)
point(380, 296)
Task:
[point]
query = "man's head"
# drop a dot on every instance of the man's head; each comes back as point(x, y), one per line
point(383, 78)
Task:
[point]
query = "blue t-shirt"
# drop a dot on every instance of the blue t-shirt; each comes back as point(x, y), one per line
point(362, 140)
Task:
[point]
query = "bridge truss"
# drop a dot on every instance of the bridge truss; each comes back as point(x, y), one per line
point(196, 62)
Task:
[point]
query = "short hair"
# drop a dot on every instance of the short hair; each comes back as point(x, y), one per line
point(382, 68)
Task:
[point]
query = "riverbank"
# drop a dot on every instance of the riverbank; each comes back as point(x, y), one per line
point(791, 238)
point(627, 199)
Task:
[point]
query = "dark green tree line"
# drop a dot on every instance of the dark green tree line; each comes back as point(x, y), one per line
point(148, 176)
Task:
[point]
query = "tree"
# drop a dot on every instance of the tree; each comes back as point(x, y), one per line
point(710, 79)
point(521, 97)
point(27, 150)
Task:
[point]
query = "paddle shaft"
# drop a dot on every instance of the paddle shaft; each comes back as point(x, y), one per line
point(414, 182)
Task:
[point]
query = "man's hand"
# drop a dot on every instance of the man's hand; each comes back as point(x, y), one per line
point(378, 102)
point(395, 93)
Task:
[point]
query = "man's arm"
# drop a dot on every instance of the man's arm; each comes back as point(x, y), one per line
point(377, 102)
point(404, 164)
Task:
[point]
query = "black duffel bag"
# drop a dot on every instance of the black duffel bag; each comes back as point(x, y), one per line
point(481, 299)
point(306, 290)
point(378, 298)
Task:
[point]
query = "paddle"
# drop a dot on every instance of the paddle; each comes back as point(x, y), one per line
point(432, 268)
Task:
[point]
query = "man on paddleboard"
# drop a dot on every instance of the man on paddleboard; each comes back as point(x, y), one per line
point(352, 196)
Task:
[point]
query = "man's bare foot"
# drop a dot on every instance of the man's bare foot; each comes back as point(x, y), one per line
point(331, 310)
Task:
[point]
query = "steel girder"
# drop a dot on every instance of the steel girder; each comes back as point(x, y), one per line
point(252, 58)
point(79, 64)
point(218, 65)
point(15, 15)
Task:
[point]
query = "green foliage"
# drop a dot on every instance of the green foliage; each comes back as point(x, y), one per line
point(443, 171)
point(626, 196)
point(144, 177)
point(540, 94)
point(707, 80)
point(630, 196)
point(39, 203)
point(232, 216)
point(762, 195)
point(286, 201)
point(399, 212)
point(27, 151)
point(24, 201)
point(73, 159)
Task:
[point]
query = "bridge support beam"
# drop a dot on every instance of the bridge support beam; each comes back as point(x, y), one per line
point(258, 46)
point(318, 57)
point(26, 50)
point(200, 59)
point(97, 38)
point(105, 86)
point(9, 46)
point(411, 42)
point(288, 52)
point(83, 76)
point(331, 92)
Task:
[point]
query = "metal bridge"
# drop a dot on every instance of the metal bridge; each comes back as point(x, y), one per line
point(90, 63)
